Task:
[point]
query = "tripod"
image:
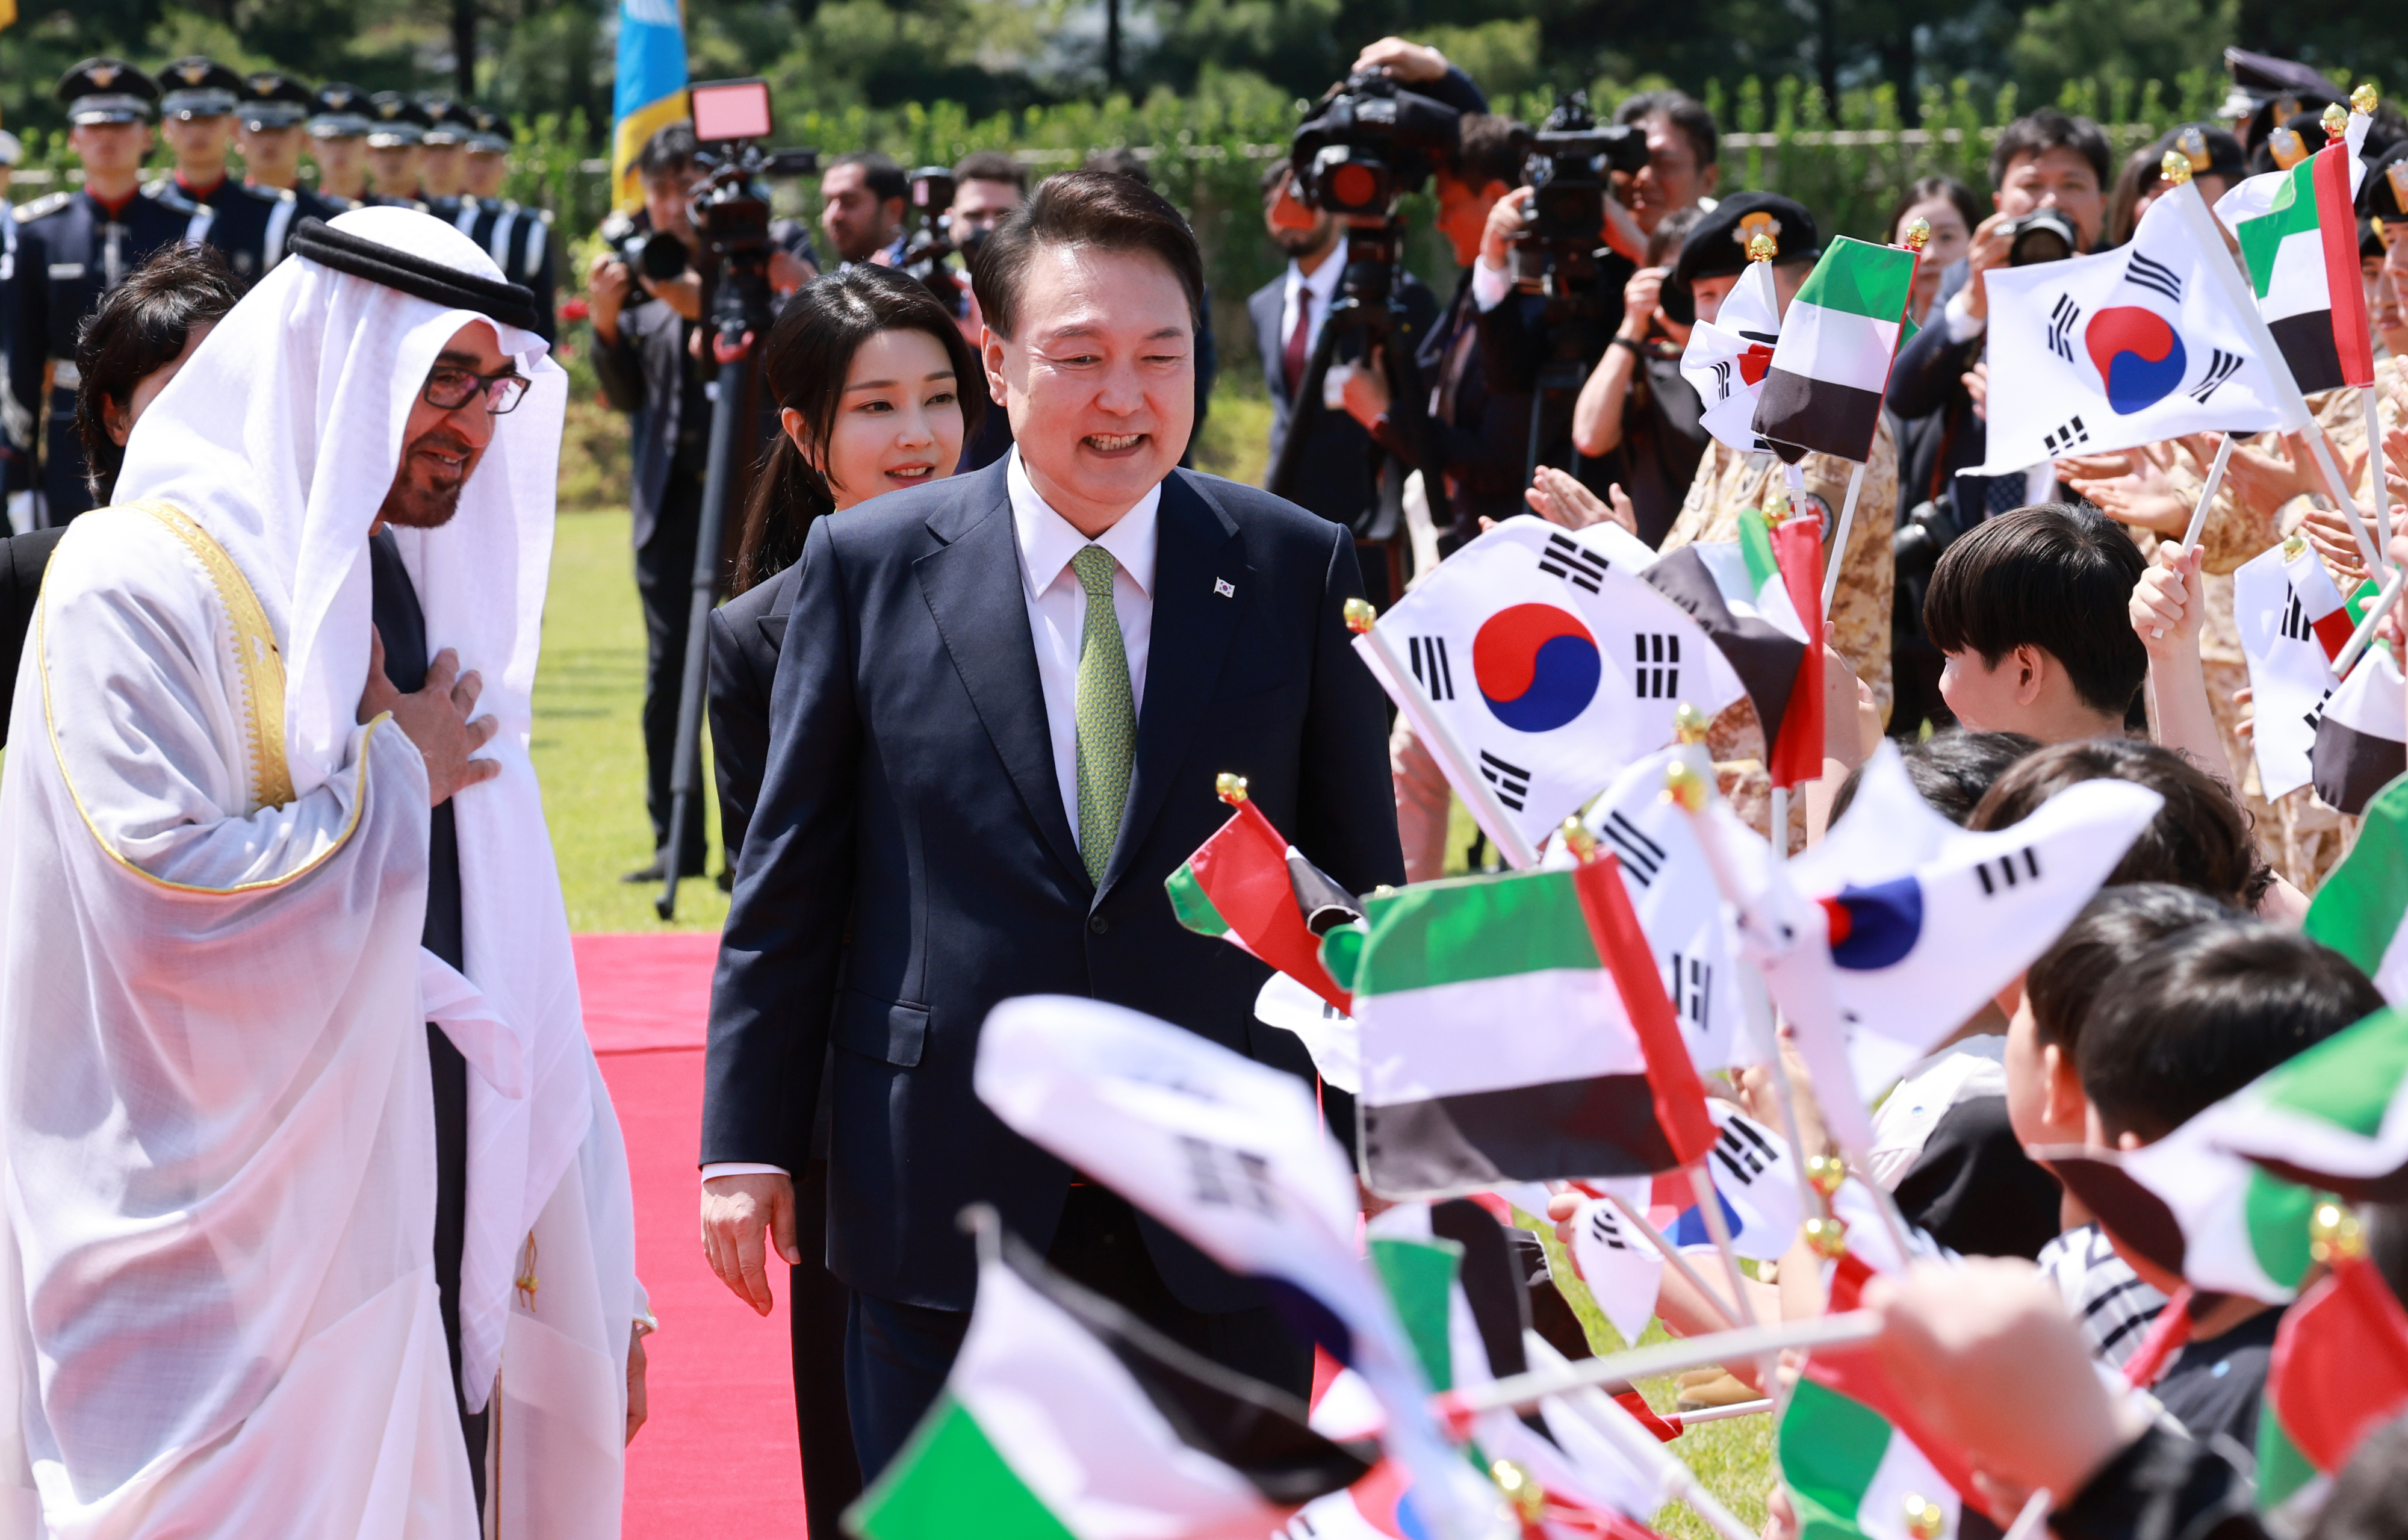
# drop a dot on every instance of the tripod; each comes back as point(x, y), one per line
point(1366, 309)
point(740, 319)
point(1574, 318)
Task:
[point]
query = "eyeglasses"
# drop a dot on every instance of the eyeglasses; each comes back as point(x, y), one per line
point(449, 388)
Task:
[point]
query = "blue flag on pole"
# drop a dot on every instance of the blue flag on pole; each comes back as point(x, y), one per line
point(651, 89)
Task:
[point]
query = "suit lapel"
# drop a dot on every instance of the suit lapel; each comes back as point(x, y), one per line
point(1192, 627)
point(973, 589)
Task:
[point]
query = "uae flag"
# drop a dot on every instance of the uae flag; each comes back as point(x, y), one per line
point(2292, 624)
point(2362, 734)
point(1501, 1042)
point(2340, 1371)
point(2361, 911)
point(2297, 231)
point(1726, 358)
point(2334, 1118)
point(1065, 1417)
point(1760, 600)
point(2197, 1211)
point(1853, 1475)
point(1823, 393)
point(1251, 887)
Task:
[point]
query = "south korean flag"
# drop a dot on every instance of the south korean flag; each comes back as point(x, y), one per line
point(2125, 348)
point(1536, 664)
point(2284, 636)
point(1672, 889)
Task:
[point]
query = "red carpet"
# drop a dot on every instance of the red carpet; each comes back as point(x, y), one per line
point(717, 1458)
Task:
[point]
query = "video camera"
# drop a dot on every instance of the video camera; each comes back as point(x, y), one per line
point(1368, 142)
point(656, 254)
point(1565, 164)
point(931, 242)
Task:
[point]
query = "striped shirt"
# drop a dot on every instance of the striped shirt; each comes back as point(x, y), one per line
point(2110, 1302)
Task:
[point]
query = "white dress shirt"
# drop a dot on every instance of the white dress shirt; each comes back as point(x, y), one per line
point(1057, 622)
point(1321, 284)
point(1057, 609)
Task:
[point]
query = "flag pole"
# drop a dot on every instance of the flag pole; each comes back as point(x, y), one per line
point(2207, 495)
point(1440, 738)
point(1635, 1444)
point(2365, 633)
point(2374, 462)
point(1840, 544)
point(1520, 1391)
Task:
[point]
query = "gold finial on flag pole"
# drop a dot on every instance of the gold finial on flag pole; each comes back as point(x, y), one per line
point(1359, 615)
point(1579, 840)
point(2336, 121)
point(1229, 788)
point(1827, 1237)
point(2175, 168)
point(1690, 725)
point(2333, 1234)
point(1917, 232)
point(2365, 98)
point(1685, 785)
point(1763, 248)
point(1925, 1520)
point(1826, 1171)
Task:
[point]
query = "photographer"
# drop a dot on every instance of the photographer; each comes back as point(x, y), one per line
point(2049, 172)
point(1339, 475)
point(1635, 414)
point(987, 185)
point(862, 196)
point(1478, 437)
point(644, 333)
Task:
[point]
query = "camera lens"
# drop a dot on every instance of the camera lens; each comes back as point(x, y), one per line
point(2041, 236)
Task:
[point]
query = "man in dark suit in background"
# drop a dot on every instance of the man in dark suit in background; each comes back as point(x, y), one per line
point(1000, 705)
point(1338, 475)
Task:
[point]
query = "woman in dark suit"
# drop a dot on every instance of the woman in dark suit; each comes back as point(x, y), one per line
point(877, 391)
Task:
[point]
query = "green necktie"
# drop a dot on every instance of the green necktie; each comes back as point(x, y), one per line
point(1106, 715)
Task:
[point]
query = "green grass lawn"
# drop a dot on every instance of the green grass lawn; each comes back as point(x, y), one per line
point(588, 745)
point(588, 752)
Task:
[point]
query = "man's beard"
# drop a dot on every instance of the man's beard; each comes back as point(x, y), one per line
point(1297, 243)
point(422, 496)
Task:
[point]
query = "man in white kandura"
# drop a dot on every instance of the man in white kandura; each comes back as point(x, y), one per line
point(280, 1258)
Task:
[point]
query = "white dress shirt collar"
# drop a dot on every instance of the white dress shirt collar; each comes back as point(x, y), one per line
point(1048, 541)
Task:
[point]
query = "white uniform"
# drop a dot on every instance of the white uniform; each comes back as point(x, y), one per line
point(216, 1127)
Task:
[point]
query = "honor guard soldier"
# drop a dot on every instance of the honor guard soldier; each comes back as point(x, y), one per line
point(338, 142)
point(396, 125)
point(88, 240)
point(517, 238)
point(268, 131)
point(16, 412)
point(443, 159)
point(196, 116)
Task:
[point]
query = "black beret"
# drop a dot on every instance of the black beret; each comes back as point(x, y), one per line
point(1717, 244)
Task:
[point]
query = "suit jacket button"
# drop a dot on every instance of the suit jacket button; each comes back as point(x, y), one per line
point(1099, 925)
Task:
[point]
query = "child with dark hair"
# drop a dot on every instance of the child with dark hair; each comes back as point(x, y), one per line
point(1952, 771)
point(2110, 1302)
point(2193, 1019)
point(2199, 840)
point(2030, 612)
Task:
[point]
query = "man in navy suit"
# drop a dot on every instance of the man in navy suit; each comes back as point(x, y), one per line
point(1001, 701)
point(1338, 476)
